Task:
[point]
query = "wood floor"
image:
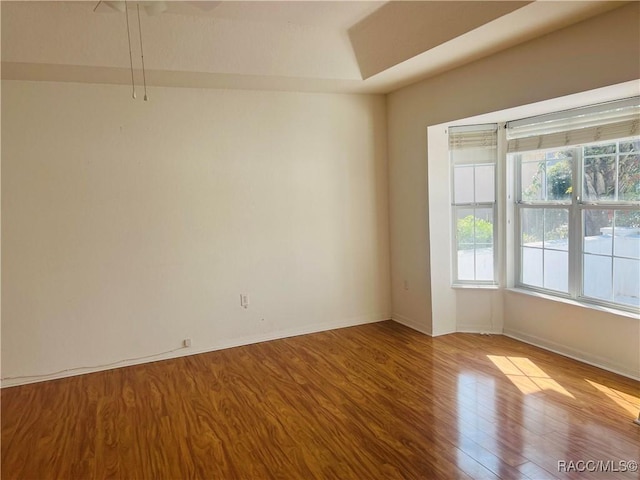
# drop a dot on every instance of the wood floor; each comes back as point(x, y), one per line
point(378, 401)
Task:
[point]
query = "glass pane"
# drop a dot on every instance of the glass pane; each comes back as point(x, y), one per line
point(465, 243)
point(630, 146)
point(532, 266)
point(485, 183)
point(484, 264)
point(465, 264)
point(597, 277)
point(463, 184)
point(465, 228)
point(602, 149)
point(627, 234)
point(599, 177)
point(532, 177)
point(598, 231)
point(629, 177)
point(556, 270)
point(475, 243)
point(532, 225)
point(484, 243)
point(626, 281)
point(546, 176)
point(556, 228)
point(559, 180)
point(484, 227)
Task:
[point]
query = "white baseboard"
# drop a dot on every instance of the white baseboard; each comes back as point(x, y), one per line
point(483, 329)
point(407, 322)
point(183, 352)
point(579, 355)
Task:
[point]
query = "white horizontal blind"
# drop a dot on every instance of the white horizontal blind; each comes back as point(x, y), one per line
point(471, 144)
point(613, 120)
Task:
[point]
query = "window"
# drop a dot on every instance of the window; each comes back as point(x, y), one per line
point(577, 210)
point(544, 203)
point(473, 151)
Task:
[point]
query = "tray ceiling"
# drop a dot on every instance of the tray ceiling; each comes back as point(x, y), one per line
point(349, 46)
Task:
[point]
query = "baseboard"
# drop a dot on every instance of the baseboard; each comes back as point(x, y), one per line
point(482, 329)
point(407, 322)
point(573, 353)
point(183, 352)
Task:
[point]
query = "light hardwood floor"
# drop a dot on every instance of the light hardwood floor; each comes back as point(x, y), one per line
point(378, 401)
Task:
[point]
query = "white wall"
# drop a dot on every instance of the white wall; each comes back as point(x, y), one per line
point(595, 53)
point(129, 226)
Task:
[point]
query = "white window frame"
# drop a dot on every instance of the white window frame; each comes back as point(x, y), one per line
point(577, 205)
point(521, 205)
point(493, 206)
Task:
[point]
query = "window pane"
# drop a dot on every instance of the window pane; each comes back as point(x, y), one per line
point(629, 175)
point(532, 177)
point(598, 231)
point(602, 149)
point(463, 184)
point(626, 281)
point(475, 243)
point(546, 176)
point(484, 243)
point(466, 260)
point(465, 242)
point(532, 226)
point(556, 270)
point(559, 181)
point(484, 227)
point(597, 277)
point(627, 234)
point(556, 228)
point(465, 228)
point(484, 264)
point(532, 266)
point(485, 183)
point(599, 177)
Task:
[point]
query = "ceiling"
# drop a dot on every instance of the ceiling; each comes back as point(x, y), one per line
point(328, 46)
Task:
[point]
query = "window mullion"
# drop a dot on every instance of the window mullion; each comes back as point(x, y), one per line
point(576, 227)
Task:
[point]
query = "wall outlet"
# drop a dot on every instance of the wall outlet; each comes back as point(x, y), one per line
point(186, 343)
point(244, 300)
point(406, 285)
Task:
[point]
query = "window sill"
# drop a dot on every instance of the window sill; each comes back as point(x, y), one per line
point(576, 303)
point(465, 286)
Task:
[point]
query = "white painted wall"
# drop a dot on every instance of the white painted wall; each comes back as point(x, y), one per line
point(592, 335)
point(598, 52)
point(129, 226)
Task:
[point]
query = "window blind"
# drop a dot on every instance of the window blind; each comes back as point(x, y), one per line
point(471, 144)
point(608, 121)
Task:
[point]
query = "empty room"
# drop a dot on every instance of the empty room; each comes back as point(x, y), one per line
point(320, 239)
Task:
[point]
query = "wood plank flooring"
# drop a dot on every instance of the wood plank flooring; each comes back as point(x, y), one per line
point(378, 401)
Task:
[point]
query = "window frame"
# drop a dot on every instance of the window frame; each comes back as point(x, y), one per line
point(577, 206)
point(520, 205)
point(493, 206)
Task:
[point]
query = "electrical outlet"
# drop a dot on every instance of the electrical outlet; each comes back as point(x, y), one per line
point(406, 285)
point(186, 343)
point(244, 300)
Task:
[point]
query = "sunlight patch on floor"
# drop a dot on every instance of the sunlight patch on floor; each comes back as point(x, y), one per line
point(626, 401)
point(526, 375)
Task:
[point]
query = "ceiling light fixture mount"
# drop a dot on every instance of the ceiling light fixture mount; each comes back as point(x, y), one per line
point(151, 8)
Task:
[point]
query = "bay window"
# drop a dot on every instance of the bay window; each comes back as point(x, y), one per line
point(573, 218)
point(577, 203)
